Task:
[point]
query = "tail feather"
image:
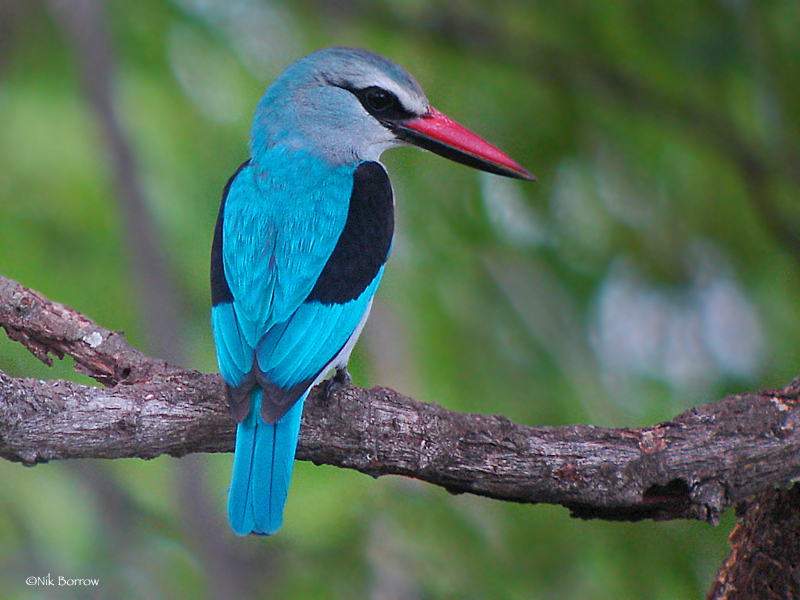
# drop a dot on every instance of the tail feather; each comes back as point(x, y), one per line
point(262, 469)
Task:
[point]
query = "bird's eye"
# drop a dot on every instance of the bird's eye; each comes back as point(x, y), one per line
point(379, 100)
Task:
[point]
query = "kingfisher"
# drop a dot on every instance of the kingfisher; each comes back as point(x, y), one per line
point(304, 230)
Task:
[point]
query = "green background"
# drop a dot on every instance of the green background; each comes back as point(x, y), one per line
point(654, 266)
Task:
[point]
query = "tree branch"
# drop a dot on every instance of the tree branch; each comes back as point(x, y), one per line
point(765, 550)
point(694, 466)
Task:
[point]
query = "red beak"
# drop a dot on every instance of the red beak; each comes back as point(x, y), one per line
point(442, 135)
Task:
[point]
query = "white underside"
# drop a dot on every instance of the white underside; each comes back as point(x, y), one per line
point(340, 360)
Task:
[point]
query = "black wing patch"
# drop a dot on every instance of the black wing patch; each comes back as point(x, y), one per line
point(366, 239)
point(220, 292)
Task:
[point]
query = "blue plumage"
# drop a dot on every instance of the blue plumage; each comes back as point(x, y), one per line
point(276, 241)
point(262, 469)
point(303, 232)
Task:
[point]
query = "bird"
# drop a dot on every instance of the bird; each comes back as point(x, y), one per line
point(303, 233)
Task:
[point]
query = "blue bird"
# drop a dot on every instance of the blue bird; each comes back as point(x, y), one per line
point(304, 230)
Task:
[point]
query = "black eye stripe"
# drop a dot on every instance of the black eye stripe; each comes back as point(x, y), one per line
point(380, 103)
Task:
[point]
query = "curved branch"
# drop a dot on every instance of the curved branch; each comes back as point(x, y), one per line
point(694, 466)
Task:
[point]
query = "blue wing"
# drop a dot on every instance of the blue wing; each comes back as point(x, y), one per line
point(294, 270)
point(281, 224)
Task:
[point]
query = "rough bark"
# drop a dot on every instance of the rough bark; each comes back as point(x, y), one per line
point(694, 466)
point(764, 562)
point(734, 451)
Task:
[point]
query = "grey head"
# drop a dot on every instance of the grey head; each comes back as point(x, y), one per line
point(348, 105)
point(339, 102)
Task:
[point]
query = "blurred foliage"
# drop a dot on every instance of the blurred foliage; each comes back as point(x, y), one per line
point(653, 267)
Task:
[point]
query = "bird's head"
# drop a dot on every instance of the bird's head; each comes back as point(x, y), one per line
point(351, 105)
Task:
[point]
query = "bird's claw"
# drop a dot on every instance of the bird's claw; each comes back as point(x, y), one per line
point(340, 379)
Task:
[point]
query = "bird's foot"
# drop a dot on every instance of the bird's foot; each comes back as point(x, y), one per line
point(340, 379)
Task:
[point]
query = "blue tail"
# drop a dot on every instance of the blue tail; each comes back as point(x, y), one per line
point(262, 469)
